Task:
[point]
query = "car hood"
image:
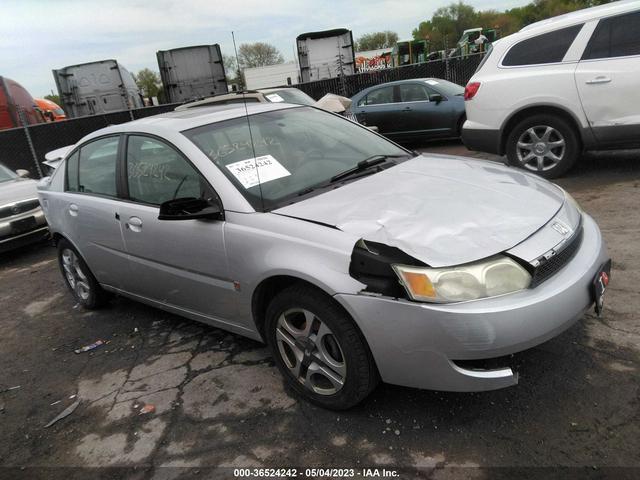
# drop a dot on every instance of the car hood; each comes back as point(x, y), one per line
point(17, 190)
point(439, 209)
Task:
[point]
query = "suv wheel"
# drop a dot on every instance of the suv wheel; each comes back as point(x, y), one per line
point(543, 144)
point(318, 349)
point(78, 278)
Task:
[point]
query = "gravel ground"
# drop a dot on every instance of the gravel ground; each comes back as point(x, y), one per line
point(220, 403)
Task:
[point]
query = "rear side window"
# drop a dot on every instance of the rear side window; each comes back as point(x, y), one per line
point(72, 172)
point(94, 171)
point(379, 96)
point(546, 48)
point(615, 37)
point(413, 92)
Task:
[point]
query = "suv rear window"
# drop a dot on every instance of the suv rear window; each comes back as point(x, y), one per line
point(615, 37)
point(546, 48)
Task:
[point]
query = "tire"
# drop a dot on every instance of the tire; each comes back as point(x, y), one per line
point(326, 340)
point(550, 136)
point(78, 278)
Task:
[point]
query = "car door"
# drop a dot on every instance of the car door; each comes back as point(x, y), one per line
point(181, 263)
point(379, 108)
point(420, 115)
point(91, 207)
point(607, 80)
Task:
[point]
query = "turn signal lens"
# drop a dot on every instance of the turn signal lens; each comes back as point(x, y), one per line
point(419, 284)
point(470, 90)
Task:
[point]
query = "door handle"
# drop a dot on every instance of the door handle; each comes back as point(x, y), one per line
point(73, 210)
point(597, 80)
point(134, 224)
point(407, 109)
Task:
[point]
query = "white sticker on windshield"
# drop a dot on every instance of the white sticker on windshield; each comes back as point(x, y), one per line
point(274, 97)
point(268, 168)
point(431, 82)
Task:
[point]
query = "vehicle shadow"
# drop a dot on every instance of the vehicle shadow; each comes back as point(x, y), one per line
point(26, 254)
point(608, 163)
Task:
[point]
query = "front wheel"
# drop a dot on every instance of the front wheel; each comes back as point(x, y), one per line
point(543, 144)
point(318, 348)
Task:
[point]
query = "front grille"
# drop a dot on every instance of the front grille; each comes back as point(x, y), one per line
point(18, 208)
point(548, 267)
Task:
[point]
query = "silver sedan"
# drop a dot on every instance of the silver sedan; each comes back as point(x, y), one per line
point(354, 259)
point(21, 219)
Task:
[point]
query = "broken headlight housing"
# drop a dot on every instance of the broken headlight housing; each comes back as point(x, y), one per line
point(494, 276)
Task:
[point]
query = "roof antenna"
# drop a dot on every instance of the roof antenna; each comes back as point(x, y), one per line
point(246, 111)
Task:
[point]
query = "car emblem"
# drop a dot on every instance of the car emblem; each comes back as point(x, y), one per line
point(15, 209)
point(560, 228)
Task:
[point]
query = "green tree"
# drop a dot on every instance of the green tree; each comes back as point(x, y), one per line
point(230, 66)
point(54, 98)
point(376, 40)
point(446, 25)
point(233, 74)
point(259, 54)
point(148, 82)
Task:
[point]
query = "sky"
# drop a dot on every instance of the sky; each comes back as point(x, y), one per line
point(37, 36)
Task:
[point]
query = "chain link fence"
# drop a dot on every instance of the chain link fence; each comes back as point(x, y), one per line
point(25, 147)
point(457, 70)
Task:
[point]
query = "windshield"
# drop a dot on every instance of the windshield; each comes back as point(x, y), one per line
point(289, 95)
point(446, 88)
point(6, 174)
point(296, 149)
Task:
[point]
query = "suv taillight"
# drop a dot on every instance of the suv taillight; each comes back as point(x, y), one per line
point(470, 90)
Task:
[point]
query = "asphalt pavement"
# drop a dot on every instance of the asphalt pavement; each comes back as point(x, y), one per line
point(167, 398)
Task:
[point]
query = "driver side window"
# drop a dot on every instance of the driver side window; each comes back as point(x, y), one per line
point(157, 173)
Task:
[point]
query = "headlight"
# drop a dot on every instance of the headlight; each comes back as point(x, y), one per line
point(494, 276)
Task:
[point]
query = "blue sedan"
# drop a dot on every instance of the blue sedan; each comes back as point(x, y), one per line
point(416, 109)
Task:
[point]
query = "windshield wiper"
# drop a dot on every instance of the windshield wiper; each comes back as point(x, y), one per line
point(363, 165)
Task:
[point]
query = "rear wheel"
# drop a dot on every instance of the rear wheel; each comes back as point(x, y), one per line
point(318, 348)
point(79, 279)
point(543, 144)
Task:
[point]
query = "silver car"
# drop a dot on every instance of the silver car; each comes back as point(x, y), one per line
point(21, 219)
point(354, 259)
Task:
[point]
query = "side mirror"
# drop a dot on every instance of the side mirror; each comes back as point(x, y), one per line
point(189, 209)
point(436, 97)
point(22, 173)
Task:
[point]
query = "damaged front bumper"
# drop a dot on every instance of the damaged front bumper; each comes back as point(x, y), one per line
point(418, 344)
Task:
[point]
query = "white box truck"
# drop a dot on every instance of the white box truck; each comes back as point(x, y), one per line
point(192, 73)
point(96, 87)
point(272, 75)
point(326, 54)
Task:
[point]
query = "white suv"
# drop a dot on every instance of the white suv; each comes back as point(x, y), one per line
point(558, 87)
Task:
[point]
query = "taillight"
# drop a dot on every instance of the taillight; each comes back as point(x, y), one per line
point(470, 90)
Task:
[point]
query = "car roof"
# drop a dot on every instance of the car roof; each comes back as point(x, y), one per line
point(221, 98)
point(186, 119)
point(276, 89)
point(580, 16)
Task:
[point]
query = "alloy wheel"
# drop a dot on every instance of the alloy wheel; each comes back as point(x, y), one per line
point(76, 278)
point(311, 351)
point(540, 148)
